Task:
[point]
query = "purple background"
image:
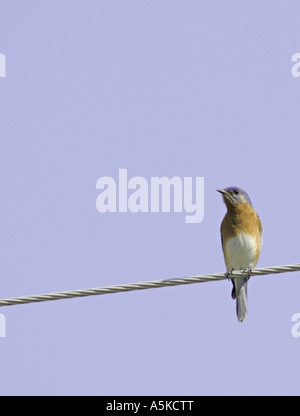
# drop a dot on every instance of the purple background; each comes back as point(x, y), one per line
point(175, 88)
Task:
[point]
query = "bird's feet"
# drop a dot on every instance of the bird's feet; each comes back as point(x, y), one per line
point(228, 273)
point(248, 271)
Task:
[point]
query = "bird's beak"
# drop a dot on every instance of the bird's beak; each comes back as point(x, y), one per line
point(226, 195)
point(222, 191)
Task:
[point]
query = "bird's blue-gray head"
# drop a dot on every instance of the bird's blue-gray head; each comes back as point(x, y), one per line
point(234, 195)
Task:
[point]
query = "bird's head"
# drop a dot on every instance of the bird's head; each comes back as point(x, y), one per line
point(234, 195)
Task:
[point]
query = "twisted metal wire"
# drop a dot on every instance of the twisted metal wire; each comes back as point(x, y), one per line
point(147, 285)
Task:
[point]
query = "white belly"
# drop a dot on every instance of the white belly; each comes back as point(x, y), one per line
point(241, 252)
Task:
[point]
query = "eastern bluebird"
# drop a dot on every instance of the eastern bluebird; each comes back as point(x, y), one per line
point(241, 235)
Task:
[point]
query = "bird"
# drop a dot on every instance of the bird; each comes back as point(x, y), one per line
point(241, 237)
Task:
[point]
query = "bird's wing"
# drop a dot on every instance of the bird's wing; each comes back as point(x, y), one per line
point(261, 230)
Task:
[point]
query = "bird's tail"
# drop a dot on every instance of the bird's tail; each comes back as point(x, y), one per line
point(240, 294)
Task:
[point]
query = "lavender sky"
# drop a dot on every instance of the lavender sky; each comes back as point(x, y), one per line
point(168, 88)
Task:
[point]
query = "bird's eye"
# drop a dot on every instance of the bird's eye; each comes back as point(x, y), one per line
point(236, 191)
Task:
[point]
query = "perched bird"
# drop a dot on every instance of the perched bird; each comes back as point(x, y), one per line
point(241, 235)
